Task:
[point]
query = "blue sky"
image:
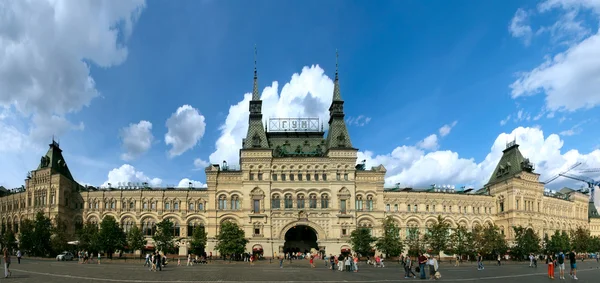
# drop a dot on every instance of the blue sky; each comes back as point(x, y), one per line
point(411, 67)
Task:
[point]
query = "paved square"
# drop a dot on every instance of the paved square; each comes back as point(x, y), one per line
point(298, 271)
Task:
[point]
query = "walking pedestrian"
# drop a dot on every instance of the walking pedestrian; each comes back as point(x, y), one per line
point(550, 262)
point(560, 262)
point(573, 262)
point(422, 261)
point(19, 255)
point(408, 268)
point(6, 257)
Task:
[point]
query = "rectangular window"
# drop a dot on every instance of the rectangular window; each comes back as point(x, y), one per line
point(299, 176)
point(274, 177)
point(260, 176)
point(337, 176)
point(256, 206)
point(275, 203)
point(416, 208)
point(291, 177)
point(395, 207)
point(316, 177)
point(251, 176)
point(517, 204)
point(256, 231)
point(344, 232)
point(359, 205)
point(370, 205)
point(282, 177)
point(300, 203)
point(176, 206)
point(307, 177)
point(289, 203)
point(501, 206)
point(200, 206)
point(433, 209)
point(346, 176)
point(343, 206)
point(408, 207)
point(153, 205)
point(324, 202)
point(387, 207)
point(324, 177)
point(427, 208)
point(312, 203)
point(191, 207)
point(167, 206)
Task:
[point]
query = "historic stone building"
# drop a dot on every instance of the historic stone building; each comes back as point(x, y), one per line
point(299, 187)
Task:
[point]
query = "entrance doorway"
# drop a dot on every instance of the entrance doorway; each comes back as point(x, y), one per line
point(300, 238)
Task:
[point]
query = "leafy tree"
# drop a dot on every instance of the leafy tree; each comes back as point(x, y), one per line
point(88, 237)
point(9, 240)
point(437, 235)
point(594, 245)
point(580, 239)
point(415, 242)
point(163, 237)
point(559, 242)
point(362, 241)
point(199, 239)
point(26, 235)
point(526, 241)
point(42, 231)
point(460, 242)
point(489, 241)
point(111, 237)
point(390, 243)
point(231, 239)
point(59, 240)
point(135, 239)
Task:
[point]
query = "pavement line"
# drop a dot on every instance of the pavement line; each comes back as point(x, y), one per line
point(326, 281)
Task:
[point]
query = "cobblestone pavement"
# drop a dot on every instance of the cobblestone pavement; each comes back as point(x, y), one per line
point(298, 271)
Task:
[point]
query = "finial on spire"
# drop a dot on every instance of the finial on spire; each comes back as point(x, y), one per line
point(255, 54)
point(336, 64)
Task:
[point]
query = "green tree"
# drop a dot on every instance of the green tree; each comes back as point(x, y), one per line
point(135, 239)
point(9, 240)
point(26, 235)
point(460, 242)
point(59, 240)
point(390, 243)
point(88, 237)
point(437, 235)
point(594, 245)
point(559, 242)
point(231, 239)
point(580, 239)
point(526, 241)
point(199, 239)
point(414, 242)
point(111, 237)
point(163, 237)
point(362, 241)
point(489, 241)
point(42, 231)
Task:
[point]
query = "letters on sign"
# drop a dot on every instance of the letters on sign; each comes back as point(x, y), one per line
point(294, 124)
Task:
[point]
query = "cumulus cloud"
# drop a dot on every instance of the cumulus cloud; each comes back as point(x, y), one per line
point(411, 166)
point(200, 164)
point(307, 94)
point(519, 28)
point(185, 183)
point(136, 139)
point(445, 129)
point(570, 79)
point(429, 143)
point(185, 129)
point(360, 120)
point(127, 173)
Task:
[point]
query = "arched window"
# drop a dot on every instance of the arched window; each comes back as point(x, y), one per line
point(289, 202)
point(275, 202)
point(359, 203)
point(192, 225)
point(176, 205)
point(300, 201)
point(167, 205)
point(324, 201)
point(312, 202)
point(127, 224)
point(222, 202)
point(148, 227)
point(370, 203)
point(176, 227)
point(235, 202)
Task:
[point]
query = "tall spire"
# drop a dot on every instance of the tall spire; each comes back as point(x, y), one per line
point(255, 94)
point(337, 136)
point(256, 136)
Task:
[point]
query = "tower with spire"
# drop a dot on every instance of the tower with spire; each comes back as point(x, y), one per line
point(256, 136)
point(337, 136)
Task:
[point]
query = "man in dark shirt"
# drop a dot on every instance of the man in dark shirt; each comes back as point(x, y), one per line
point(422, 262)
point(573, 261)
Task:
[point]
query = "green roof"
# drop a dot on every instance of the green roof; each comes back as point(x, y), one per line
point(55, 160)
point(511, 163)
point(592, 211)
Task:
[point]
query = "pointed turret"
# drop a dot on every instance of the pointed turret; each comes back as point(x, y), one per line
point(256, 136)
point(511, 163)
point(55, 160)
point(337, 136)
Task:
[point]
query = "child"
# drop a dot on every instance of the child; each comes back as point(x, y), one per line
point(178, 262)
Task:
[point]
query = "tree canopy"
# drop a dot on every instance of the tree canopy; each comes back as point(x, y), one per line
point(526, 241)
point(362, 241)
point(489, 241)
point(111, 237)
point(163, 237)
point(461, 241)
point(231, 239)
point(415, 242)
point(135, 239)
point(199, 239)
point(390, 243)
point(437, 235)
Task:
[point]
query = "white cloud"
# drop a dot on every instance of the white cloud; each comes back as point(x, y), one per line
point(185, 129)
point(445, 129)
point(360, 121)
point(519, 28)
point(570, 80)
point(136, 139)
point(429, 143)
point(411, 166)
point(307, 94)
point(46, 127)
point(503, 122)
point(185, 183)
point(200, 164)
point(127, 173)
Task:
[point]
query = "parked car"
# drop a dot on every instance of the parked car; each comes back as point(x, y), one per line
point(65, 256)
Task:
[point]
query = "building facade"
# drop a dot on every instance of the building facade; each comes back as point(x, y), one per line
point(299, 188)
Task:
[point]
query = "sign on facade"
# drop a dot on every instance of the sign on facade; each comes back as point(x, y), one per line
point(294, 124)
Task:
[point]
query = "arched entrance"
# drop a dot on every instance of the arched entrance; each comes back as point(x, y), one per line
point(300, 238)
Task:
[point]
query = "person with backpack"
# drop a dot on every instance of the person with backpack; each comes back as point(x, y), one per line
point(408, 268)
point(561, 265)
